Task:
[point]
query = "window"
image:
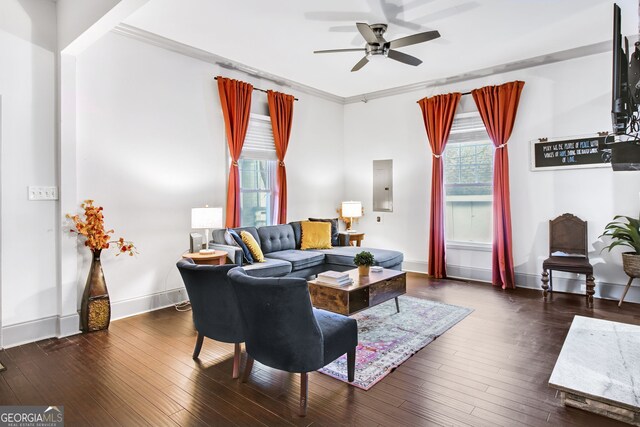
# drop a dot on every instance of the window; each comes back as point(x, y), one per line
point(468, 180)
point(257, 167)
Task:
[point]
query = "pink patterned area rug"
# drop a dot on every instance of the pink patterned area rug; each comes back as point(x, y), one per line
point(386, 338)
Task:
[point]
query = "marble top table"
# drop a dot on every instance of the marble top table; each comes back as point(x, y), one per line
point(598, 368)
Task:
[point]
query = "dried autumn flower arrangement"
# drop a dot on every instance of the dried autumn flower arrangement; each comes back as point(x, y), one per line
point(93, 229)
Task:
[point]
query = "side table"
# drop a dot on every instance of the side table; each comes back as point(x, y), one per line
point(215, 258)
point(351, 238)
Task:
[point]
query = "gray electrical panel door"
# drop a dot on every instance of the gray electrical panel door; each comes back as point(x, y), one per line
point(383, 185)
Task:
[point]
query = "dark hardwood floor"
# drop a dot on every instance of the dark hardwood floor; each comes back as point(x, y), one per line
point(491, 369)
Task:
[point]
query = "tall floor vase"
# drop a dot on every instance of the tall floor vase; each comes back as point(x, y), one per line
point(95, 311)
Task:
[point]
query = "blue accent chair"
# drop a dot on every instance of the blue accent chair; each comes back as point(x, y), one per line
point(283, 331)
point(216, 314)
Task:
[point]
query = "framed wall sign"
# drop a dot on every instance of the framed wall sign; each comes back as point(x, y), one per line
point(570, 153)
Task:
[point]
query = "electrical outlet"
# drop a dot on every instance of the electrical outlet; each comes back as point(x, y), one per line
point(379, 218)
point(42, 193)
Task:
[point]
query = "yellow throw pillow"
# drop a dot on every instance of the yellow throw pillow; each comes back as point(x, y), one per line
point(315, 235)
point(253, 246)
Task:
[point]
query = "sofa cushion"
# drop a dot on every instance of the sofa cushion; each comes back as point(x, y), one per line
point(276, 238)
point(217, 236)
point(334, 229)
point(343, 255)
point(297, 233)
point(298, 259)
point(269, 268)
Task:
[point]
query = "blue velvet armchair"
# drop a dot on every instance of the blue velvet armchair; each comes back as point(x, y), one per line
point(214, 306)
point(283, 330)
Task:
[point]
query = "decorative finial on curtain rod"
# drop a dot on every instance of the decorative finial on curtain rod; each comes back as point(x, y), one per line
point(258, 89)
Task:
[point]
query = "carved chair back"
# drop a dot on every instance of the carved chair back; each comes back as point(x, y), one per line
point(568, 234)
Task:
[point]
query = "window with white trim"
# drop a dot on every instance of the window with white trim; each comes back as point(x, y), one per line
point(257, 168)
point(468, 181)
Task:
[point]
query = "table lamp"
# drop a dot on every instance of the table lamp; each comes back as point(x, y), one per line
point(351, 210)
point(206, 218)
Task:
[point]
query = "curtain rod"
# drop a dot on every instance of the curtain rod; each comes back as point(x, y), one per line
point(256, 88)
point(462, 94)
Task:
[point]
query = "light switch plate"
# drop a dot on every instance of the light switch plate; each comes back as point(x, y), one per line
point(43, 193)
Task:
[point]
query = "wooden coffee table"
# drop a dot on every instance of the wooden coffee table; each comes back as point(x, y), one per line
point(365, 292)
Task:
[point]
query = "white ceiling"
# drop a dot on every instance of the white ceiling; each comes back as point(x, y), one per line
point(279, 36)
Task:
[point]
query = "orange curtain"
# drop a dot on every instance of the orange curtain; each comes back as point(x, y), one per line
point(281, 112)
point(438, 113)
point(498, 106)
point(235, 99)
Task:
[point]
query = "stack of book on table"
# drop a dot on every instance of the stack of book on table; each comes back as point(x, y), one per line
point(335, 278)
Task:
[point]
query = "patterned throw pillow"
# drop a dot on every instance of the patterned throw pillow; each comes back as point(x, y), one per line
point(315, 235)
point(253, 246)
point(245, 250)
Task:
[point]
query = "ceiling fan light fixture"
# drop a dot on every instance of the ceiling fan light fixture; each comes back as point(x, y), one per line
point(377, 47)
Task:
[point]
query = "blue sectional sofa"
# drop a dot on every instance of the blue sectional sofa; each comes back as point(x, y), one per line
point(281, 247)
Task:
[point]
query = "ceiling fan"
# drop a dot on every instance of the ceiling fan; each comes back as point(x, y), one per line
point(377, 45)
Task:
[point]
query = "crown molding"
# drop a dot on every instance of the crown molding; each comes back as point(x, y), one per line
point(536, 61)
point(203, 55)
point(184, 49)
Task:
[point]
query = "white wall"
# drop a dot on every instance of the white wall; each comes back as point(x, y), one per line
point(151, 146)
point(27, 157)
point(76, 16)
point(561, 99)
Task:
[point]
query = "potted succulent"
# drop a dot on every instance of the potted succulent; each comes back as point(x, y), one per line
point(625, 231)
point(364, 260)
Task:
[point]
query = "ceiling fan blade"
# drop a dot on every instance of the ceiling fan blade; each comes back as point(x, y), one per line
point(359, 49)
point(360, 64)
point(367, 33)
point(403, 57)
point(413, 39)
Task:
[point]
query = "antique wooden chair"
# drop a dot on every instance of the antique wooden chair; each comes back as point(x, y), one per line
point(568, 252)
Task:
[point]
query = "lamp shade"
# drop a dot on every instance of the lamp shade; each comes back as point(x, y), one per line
point(351, 209)
point(206, 218)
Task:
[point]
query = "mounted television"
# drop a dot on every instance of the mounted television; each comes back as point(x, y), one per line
point(621, 101)
point(625, 100)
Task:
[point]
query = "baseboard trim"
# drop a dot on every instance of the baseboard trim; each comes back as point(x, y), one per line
point(64, 326)
point(132, 306)
point(68, 325)
point(415, 266)
point(30, 331)
point(604, 290)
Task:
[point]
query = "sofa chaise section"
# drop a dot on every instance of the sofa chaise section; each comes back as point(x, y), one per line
point(340, 258)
